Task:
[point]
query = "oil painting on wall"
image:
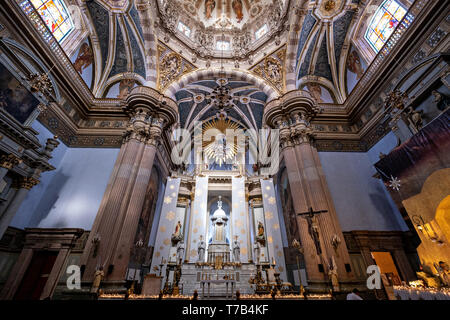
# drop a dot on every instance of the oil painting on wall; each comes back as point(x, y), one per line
point(14, 97)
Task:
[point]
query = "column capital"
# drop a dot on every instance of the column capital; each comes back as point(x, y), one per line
point(24, 183)
point(9, 161)
point(150, 112)
point(292, 114)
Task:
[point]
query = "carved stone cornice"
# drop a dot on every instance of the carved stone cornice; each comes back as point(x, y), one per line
point(288, 105)
point(9, 161)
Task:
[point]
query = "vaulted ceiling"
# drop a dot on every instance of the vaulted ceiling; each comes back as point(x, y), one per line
point(138, 42)
point(247, 109)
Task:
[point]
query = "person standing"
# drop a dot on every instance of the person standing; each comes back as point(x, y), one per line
point(354, 295)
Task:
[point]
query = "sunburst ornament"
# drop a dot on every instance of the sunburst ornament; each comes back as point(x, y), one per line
point(220, 150)
point(394, 183)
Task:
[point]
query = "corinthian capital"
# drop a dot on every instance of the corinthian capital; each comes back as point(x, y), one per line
point(150, 113)
point(139, 126)
point(301, 129)
point(24, 183)
point(155, 131)
point(9, 161)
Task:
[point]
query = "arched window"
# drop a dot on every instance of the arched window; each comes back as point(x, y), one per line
point(56, 17)
point(383, 23)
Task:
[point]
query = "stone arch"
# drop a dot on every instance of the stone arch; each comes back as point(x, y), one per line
point(32, 62)
point(204, 74)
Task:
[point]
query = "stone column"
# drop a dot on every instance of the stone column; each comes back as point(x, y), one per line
point(114, 229)
point(16, 275)
point(127, 234)
point(55, 274)
point(7, 162)
point(292, 116)
point(23, 186)
point(404, 266)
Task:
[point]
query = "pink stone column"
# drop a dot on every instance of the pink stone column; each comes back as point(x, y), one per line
point(131, 218)
point(16, 275)
point(108, 216)
point(299, 200)
point(55, 274)
point(318, 197)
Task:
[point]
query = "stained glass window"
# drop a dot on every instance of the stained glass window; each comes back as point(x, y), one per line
point(383, 23)
point(184, 29)
point(56, 17)
point(223, 45)
point(261, 31)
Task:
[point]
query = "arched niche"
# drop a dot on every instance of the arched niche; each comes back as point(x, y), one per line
point(430, 213)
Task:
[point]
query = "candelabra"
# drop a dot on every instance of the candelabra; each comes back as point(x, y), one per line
point(296, 244)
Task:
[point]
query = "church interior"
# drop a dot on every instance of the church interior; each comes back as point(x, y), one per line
point(252, 149)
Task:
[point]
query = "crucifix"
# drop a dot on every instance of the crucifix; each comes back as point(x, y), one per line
point(313, 226)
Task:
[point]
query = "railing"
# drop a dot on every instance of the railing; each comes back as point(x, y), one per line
point(48, 37)
point(388, 47)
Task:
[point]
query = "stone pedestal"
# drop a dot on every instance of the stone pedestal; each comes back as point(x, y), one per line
point(152, 285)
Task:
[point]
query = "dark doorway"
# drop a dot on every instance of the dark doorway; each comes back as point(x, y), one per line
point(36, 276)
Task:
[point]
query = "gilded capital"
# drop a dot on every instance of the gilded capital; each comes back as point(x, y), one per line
point(24, 183)
point(9, 161)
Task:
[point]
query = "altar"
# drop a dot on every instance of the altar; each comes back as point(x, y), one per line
point(227, 283)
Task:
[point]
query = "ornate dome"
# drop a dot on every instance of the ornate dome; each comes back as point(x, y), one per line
point(233, 28)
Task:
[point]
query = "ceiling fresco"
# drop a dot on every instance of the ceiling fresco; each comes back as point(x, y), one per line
point(195, 102)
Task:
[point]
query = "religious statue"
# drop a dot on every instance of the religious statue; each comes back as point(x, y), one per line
point(415, 117)
point(180, 252)
point(257, 252)
point(219, 221)
point(443, 272)
point(236, 250)
point(260, 235)
point(209, 8)
point(313, 228)
point(441, 100)
point(335, 242)
point(273, 70)
point(98, 276)
point(333, 274)
point(237, 8)
point(201, 249)
point(176, 236)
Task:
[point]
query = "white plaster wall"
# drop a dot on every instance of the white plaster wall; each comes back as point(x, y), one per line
point(362, 202)
point(68, 197)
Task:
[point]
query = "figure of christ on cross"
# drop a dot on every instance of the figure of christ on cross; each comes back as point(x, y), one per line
point(313, 226)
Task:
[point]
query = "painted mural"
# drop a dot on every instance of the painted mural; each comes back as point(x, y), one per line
point(14, 97)
point(356, 66)
point(121, 89)
point(146, 218)
point(318, 92)
point(289, 216)
point(83, 62)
